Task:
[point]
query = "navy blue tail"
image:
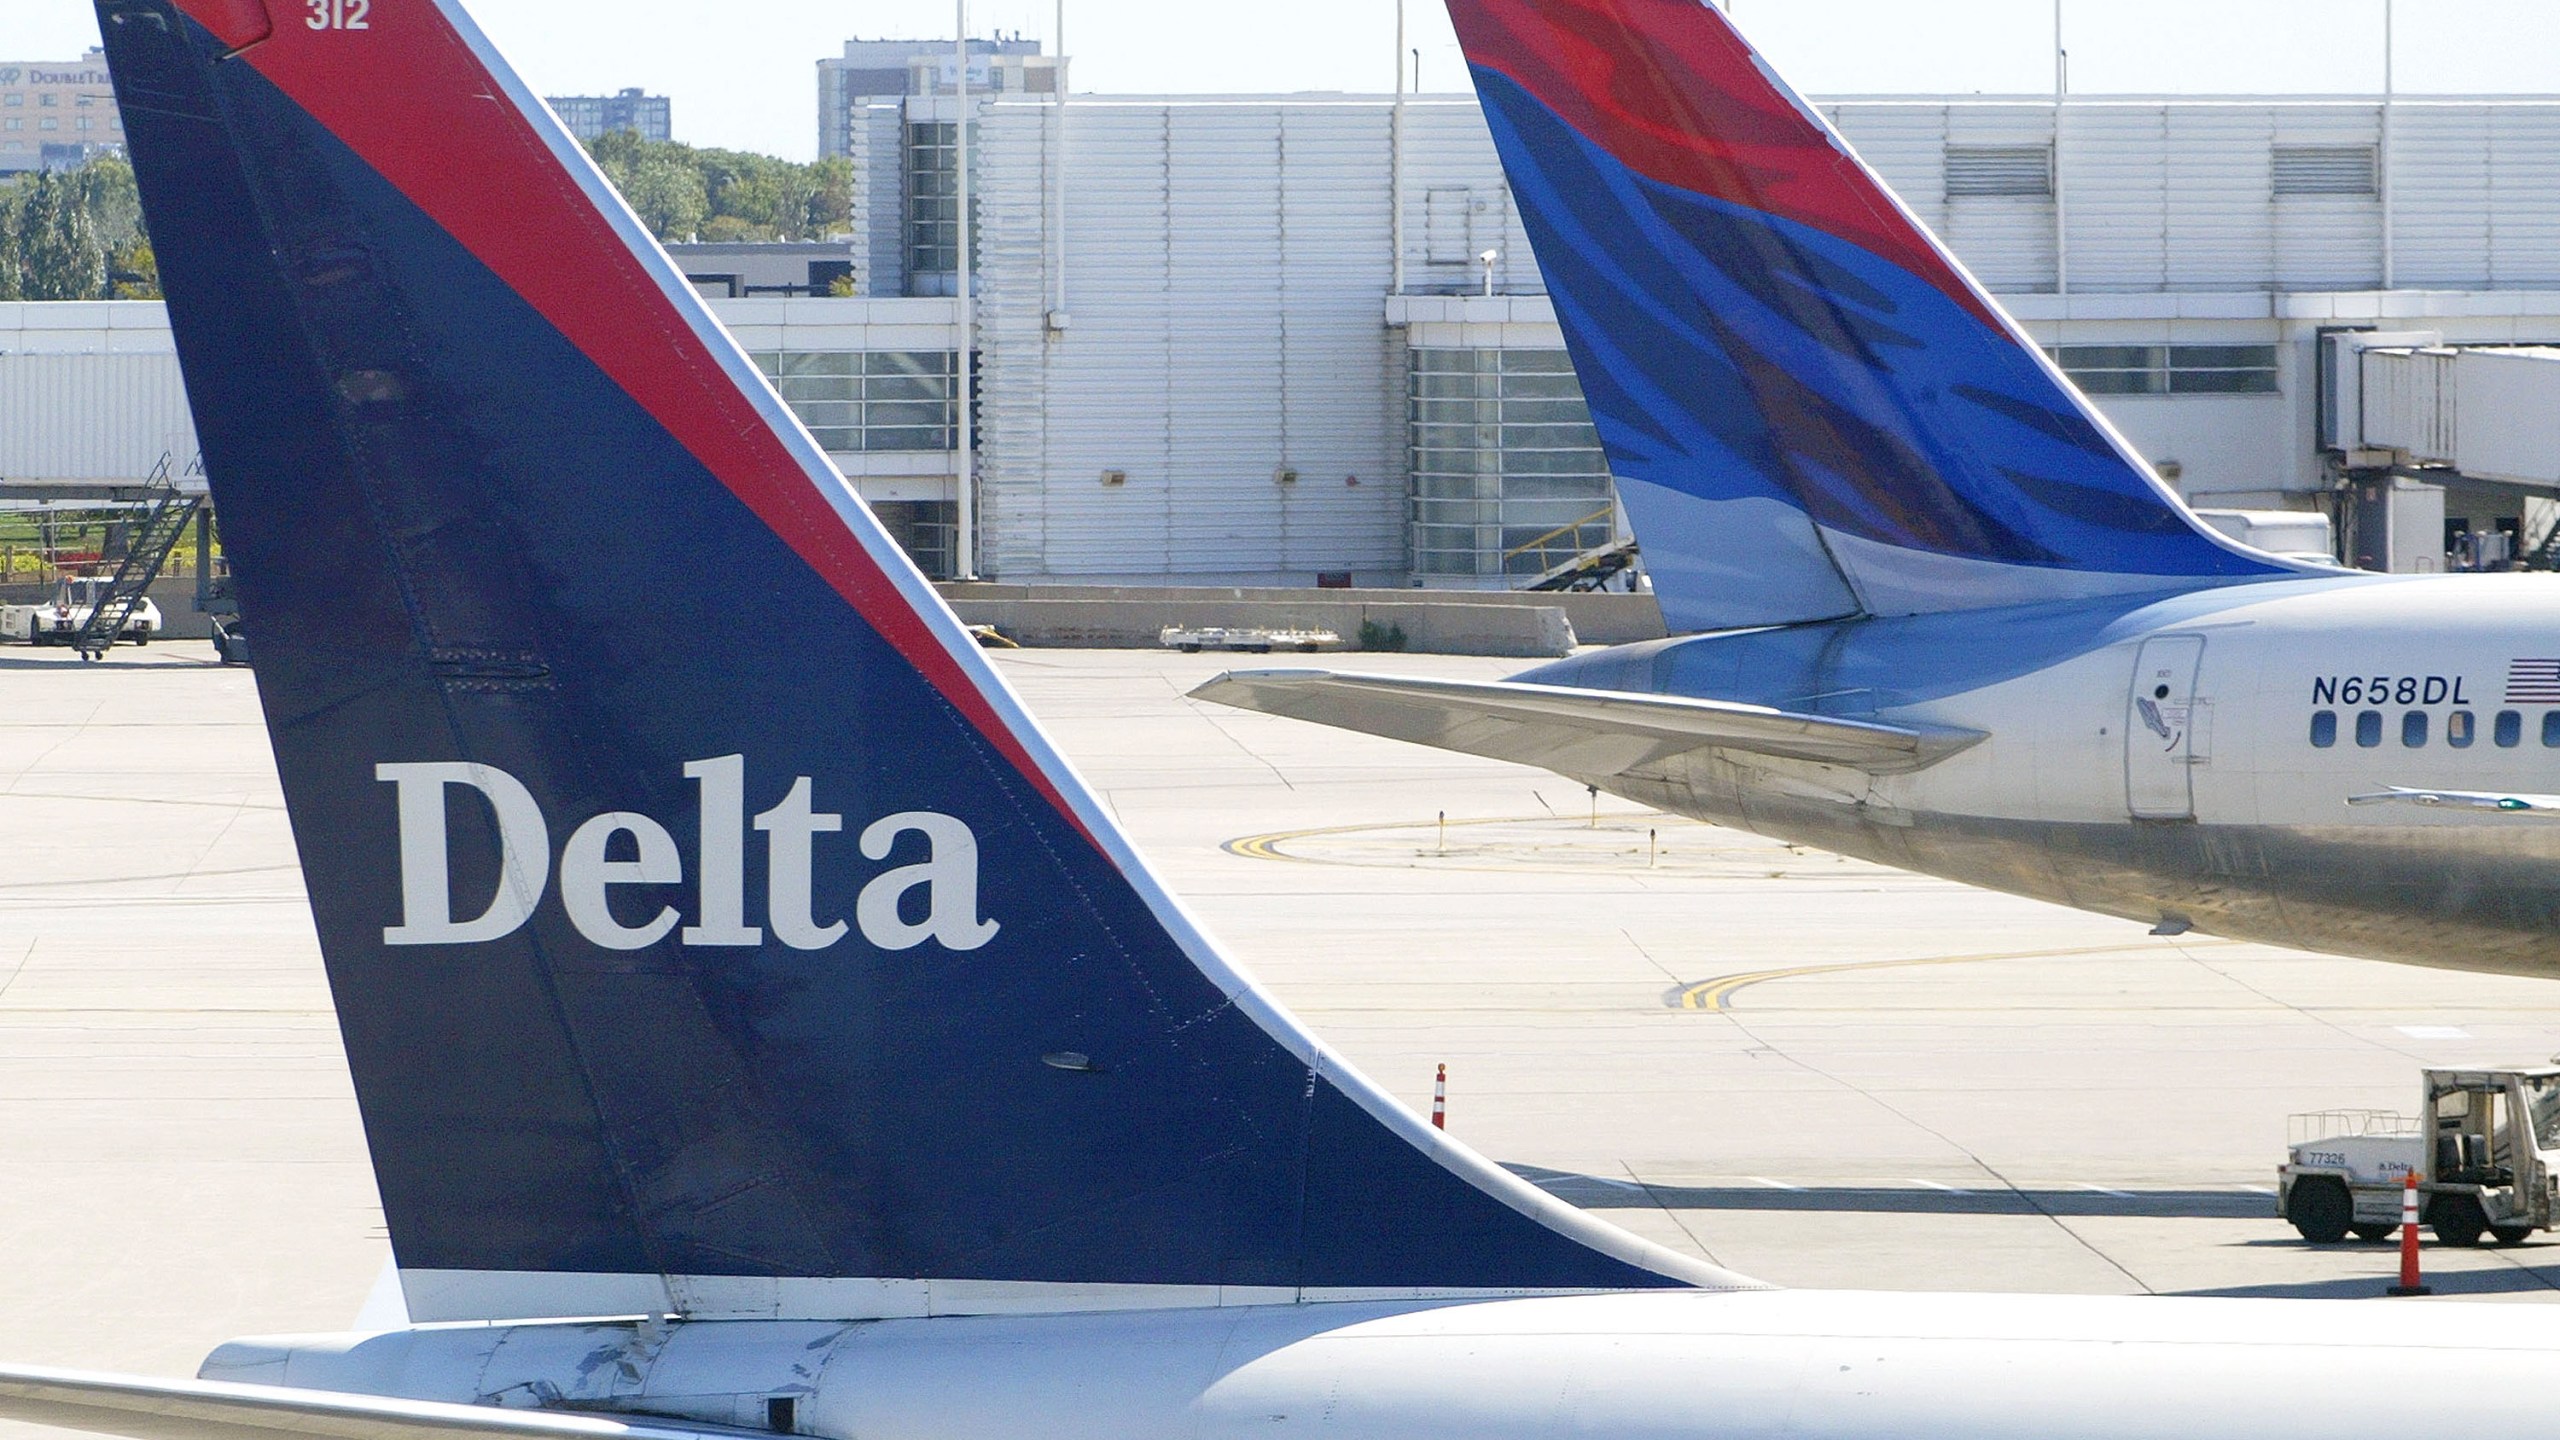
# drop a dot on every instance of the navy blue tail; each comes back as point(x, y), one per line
point(709, 929)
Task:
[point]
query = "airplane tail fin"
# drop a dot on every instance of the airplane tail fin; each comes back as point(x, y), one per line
point(1811, 409)
point(711, 931)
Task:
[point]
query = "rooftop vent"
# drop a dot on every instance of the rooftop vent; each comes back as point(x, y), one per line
point(2324, 170)
point(2000, 170)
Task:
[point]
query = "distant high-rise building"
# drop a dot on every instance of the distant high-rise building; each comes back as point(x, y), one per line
point(56, 114)
point(591, 117)
point(872, 70)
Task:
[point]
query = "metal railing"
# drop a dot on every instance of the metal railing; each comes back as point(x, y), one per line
point(1564, 544)
point(2313, 1125)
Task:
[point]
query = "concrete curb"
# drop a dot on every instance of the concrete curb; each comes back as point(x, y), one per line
point(1521, 631)
point(1595, 619)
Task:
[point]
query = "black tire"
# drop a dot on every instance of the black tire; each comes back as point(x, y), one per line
point(141, 637)
point(1190, 649)
point(2320, 1210)
point(2511, 1234)
point(2374, 1232)
point(2457, 1220)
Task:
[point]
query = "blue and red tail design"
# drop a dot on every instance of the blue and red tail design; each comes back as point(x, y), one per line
point(711, 931)
point(1811, 409)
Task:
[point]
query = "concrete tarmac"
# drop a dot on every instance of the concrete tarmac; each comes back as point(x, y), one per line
point(1812, 1070)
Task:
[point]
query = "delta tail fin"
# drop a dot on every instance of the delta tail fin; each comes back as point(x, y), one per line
point(1811, 409)
point(711, 931)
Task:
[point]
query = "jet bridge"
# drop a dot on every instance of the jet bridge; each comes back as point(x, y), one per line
point(2491, 412)
point(2398, 402)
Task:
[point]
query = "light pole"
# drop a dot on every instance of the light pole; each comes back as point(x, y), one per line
point(2382, 156)
point(964, 545)
point(2061, 207)
point(1395, 169)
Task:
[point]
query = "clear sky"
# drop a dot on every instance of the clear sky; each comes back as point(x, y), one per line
point(741, 71)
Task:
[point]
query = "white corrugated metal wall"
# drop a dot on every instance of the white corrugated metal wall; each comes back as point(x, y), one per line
point(2178, 195)
point(1226, 359)
point(92, 417)
point(877, 145)
point(2522, 208)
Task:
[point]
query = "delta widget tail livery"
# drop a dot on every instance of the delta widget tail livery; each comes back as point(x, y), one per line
point(682, 947)
point(1811, 410)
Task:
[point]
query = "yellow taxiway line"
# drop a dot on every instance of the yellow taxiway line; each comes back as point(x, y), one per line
point(1714, 995)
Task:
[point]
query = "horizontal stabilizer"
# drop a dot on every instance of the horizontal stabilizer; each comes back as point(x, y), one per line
point(1583, 733)
point(156, 1409)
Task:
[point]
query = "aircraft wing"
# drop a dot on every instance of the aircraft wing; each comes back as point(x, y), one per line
point(1582, 733)
point(156, 1409)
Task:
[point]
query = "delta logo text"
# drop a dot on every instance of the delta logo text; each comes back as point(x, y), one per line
point(946, 878)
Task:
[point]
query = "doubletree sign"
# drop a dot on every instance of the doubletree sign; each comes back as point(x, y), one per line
point(13, 74)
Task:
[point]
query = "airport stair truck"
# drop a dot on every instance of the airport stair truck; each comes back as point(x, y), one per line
point(2485, 1147)
point(1564, 559)
point(113, 611)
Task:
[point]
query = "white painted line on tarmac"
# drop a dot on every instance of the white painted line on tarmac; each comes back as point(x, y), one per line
point(2102, 1190)
point(2258, 1189)
point(1772, 1184)
point(1935, 1185)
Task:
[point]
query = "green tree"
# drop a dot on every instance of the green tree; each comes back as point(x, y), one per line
point(76, 235)
point(660, 182)
point(59, 255)
point(730, 230)
point(12, 277)
point(684, 193)
point(133, 272)
point(827, 204)
point(114, 202)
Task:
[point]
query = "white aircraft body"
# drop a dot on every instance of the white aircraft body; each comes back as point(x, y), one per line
point(674, 980)
point(1839, 1365)
point(1944, 616)
point(2358, 764)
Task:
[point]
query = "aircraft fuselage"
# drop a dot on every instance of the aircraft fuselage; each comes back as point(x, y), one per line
point(2183, 759)
point(1841, 1365)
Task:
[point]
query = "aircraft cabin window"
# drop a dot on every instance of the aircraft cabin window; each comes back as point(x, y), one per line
point(2413, 729)
point(2458, 730)
point(2368, 728)
point(2324, 728)
point(2510, 731)
point(2551, 729)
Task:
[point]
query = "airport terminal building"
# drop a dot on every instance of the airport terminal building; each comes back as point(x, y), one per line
point(1267, 339)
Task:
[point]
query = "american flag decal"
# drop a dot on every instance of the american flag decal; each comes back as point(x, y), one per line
point(2533, 682)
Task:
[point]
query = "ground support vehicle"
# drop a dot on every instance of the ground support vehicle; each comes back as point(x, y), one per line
point(1191, 640)
point(58, 621)
point(2485, 1146)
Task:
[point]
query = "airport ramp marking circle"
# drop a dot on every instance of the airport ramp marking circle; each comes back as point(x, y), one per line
point(1716, 995)
point(1625, 843)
